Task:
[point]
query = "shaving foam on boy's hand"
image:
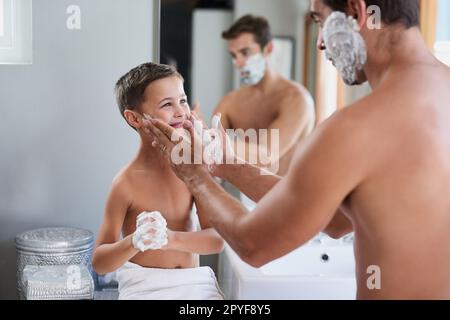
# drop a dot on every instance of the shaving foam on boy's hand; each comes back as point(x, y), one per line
point(151, 231)
point(223, 142)
point(215, 146)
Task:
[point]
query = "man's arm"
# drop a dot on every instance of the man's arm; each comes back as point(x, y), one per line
point(248, 179)
point(339, 226)
point(203, 242)
point(110, 252)
point(323, 173)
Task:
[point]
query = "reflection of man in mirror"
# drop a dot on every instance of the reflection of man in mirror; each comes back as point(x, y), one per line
point(265, 100)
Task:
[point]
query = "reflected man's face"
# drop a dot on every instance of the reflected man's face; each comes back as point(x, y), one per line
point(242, 48)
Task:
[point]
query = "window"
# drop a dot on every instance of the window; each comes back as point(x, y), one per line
point(15, 32)
point(435, 27)
point(5, 23)
point(2, 18)
point(442, 44)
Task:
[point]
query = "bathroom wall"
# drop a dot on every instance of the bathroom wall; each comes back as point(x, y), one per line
point(62, 138)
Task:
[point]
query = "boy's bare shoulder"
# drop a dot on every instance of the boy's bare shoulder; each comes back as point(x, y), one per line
point(132, 178)
point(121, 183)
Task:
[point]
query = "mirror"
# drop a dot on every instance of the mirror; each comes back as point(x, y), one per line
point(191, 39)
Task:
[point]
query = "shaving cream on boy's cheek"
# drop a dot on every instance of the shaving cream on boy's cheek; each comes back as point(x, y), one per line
point(344, 45)
point(254, 70)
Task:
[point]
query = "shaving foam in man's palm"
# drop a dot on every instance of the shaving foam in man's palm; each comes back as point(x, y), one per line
point(225, 143)
point(214, 147)
point(151, 231)
point(199, 130)
point(215, 121)
point(211, 140)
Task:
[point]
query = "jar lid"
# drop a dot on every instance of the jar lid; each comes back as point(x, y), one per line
point(55, 240)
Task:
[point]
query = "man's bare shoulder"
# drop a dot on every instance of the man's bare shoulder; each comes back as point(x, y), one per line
point(233, 98)
point(357, 124)
point(295, 92)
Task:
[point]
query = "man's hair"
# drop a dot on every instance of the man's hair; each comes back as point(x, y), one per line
point(405, 12)
point(258, 26)
point(130, 89)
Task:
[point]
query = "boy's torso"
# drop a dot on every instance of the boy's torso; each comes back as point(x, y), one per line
point(160, 190)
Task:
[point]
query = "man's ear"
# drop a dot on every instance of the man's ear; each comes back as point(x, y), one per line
point(268, 49)
point(358, 10)
point(133, 119)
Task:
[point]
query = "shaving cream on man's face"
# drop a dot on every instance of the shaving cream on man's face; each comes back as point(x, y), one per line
point(345, 46)
point(254, 70)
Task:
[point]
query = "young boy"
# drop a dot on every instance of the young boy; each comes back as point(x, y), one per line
point(155, 262)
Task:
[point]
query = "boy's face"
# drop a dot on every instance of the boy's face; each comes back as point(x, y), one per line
point(166, 100)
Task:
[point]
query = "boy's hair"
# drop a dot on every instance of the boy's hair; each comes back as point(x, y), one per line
point(130, 88)
point(405, 12)
point(258, 26)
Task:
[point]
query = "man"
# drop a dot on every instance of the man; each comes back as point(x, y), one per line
point(383, 164)
point(265, 100)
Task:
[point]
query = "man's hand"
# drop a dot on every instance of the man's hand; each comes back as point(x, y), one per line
point(184, 155)
point(229, 157)
point(197, 112)
point(218, 131)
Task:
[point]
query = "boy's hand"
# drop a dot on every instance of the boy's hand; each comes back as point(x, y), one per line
point(151, 232)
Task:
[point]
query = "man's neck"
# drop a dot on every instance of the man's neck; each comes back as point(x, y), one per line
point(394, 47)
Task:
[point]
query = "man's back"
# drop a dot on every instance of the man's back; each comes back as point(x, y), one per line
point(401, 209)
